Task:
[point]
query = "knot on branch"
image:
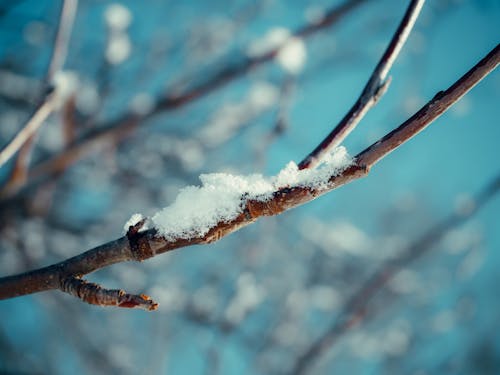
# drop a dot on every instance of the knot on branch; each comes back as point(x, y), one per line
point(139, 243)
point(94, 294)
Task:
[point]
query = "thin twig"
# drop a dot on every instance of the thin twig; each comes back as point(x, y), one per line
point(375, 88)
point(431, 111)
point(355, 307)
point(139, 245)
point(30, 128)
point(60, 50)
point(49, 102)
point(94, 294)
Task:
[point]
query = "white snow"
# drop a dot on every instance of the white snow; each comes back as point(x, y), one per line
point(134, 219)
point(118, 19)
point(118, 48)
point(66, 83)
point(221, 196)
point(292, 56)
point(292, 52)
point(142, 104)
point(117, 16)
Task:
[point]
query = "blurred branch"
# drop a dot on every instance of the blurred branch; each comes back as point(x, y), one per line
point(61, 43)
point(36, 120)
point(375, 88)
point(140, 245)
point(355, 307)
point(114, 131)
point(50, 101)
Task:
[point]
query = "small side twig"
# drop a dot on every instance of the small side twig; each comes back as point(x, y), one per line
point(94, 294)
point(375, 88)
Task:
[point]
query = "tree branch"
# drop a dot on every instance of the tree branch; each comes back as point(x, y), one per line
point(431, 111)
point(140, 245)
point(375, 88)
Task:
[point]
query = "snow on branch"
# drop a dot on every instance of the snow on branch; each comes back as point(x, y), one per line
point(225, 203)
point(222, 197)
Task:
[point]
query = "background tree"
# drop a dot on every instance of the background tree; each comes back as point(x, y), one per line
point(123, 143)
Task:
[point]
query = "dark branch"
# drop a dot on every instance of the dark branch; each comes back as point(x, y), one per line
point(375, 87)
point(431, 111)
point(143, 245)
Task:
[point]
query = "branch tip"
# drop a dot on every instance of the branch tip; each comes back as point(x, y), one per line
point(95, 294)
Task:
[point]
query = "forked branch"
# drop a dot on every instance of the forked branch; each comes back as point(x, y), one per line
point(140, 245)
point(375, 88)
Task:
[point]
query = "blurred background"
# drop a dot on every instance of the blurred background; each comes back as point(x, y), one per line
point(161, 91)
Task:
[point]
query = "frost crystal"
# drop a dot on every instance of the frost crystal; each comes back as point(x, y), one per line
point(221, 196)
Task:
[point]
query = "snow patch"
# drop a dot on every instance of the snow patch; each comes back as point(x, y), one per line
point(134, 219)
point(292, 56)
point(221, 196)
point(65, 83)
point(117, 16)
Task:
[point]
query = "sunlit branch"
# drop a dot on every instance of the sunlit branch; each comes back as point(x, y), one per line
point(140, 245)
point(375, 88)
